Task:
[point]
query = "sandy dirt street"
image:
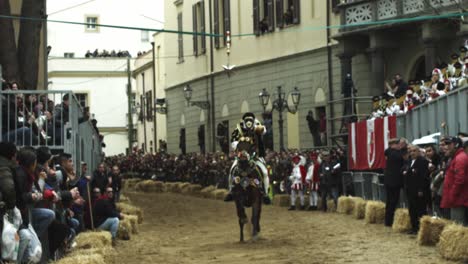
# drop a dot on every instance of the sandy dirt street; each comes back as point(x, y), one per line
point(183, 229)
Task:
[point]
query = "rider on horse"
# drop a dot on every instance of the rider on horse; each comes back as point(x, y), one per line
point(250, 126)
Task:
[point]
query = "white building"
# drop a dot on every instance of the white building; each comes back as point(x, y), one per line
point(99, 82)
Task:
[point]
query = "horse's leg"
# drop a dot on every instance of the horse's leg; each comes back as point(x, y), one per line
point(256, 210)
point(242, 218)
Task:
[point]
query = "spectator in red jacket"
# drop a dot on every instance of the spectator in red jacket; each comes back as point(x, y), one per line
point(455, 192)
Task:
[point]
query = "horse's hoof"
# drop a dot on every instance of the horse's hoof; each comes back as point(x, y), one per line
point(255, 238)
point(244, 220)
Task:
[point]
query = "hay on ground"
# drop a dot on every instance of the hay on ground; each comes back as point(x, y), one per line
point(345, 205)
point(87, 240)
point(281, 200)
point(83, 259)
point(401, 221)
point(331, 206)
point(453, 243)
point(130, 209)
point(219, 194)
point(430, 229)
point(375, 212)
point(206, 192)
point(150, 186)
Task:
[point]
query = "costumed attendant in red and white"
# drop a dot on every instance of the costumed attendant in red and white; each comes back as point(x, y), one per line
point(298, 180)
point(313, 181)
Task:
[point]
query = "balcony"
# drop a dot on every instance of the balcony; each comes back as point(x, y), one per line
point(365, 13)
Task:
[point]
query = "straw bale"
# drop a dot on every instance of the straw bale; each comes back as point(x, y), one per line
point(130, 209)
point(125, 229)
point(98, 239)
point(281, 200)
point(83, 259)
point(206, 192)
point(453, 243)
point(150, 186)
point(219, 194)
point(108, 253)
point(359, 210)
point(401, 221)
point(129, 184)
point(331, 206)
point(177, 187)
point(345, 205)
point(124, 198)
point(170, 186)
point(133, 219)
point(184, 188)
point(430, 229)
point(375, 212)
point(195, 189)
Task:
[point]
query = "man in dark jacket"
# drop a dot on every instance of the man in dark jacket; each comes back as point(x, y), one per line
point(329, 179)
point(7, 184)
point(116, 183)
point(106, 216)
point(393, 179)
point(100, 179)
point(416, 178)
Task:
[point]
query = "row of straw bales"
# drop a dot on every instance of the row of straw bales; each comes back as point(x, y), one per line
point(450, 239)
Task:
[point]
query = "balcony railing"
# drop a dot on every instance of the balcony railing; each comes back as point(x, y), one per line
point(365, 11)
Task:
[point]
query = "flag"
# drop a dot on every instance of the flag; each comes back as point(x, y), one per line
point(367, 142)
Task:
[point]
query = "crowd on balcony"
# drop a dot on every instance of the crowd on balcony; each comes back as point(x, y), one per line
point(401, 97)
point(107, 54)
point(42, 199)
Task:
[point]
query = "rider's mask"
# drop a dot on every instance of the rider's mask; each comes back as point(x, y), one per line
point(249, 123)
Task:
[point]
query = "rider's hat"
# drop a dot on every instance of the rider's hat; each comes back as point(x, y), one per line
point(248, 115)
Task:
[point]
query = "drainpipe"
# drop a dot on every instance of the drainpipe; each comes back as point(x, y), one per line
point(330, 127)
point(155, 135)
point(212, 83)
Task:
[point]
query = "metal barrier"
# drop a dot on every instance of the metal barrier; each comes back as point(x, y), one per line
point(49, 118)
point(427, 118)
point(367, 185)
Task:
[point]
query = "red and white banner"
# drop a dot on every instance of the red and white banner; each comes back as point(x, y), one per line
point(367, 142)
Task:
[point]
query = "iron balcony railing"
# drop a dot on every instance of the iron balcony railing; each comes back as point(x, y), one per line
point(362, 12)
point(43, 118)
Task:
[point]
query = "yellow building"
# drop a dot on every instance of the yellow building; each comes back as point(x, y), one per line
point(273, 43)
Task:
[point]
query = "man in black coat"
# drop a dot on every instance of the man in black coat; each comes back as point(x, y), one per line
point(329, 179)
point(416, 180)
point(393, 180)
point(106, 216)
point(100, 179)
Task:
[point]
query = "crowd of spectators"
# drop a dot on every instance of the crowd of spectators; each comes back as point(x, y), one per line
point(401, 97)
point(107, 54)
point(433, 178)
point(45, 197)
point(35, 119)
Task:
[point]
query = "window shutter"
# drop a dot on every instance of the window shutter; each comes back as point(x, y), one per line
point(279, 13)
point(195, 30)
point(216, 22)
point(271, 14)
point(227, 18)
point(203, 29)
point(297, 12)
point(256, 17)
point(180, 37)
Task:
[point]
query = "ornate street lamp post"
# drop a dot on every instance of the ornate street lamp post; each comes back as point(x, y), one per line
point(280, 104)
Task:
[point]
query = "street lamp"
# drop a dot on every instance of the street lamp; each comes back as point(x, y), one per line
point(188, 96)
point(280, 104)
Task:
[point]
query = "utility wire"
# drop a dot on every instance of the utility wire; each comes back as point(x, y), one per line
point(71, 7)
point(311, 28)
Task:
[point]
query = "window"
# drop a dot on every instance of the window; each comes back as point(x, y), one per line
point(144, 36)
point(82, 99)
point(149, 106)
point(222, 20)
point(292, 12)
point(199, 40)
point(263, 16)
point(69, 55)
point(180, 38)
point(91, 23)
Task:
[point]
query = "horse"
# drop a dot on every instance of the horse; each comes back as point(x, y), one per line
point(246, 189)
